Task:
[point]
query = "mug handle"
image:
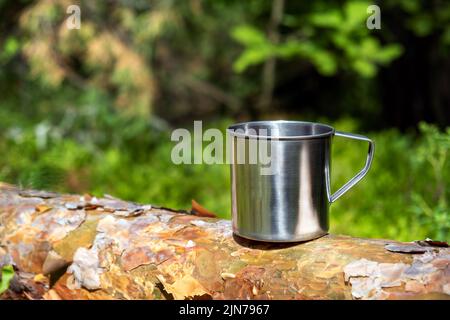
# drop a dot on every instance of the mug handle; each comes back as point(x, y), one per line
point(359, 175)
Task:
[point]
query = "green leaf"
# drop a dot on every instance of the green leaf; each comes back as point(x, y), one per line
point(10, 48)
point(370, 47)
point(355, 15)
point(365, 68)
point(327, 19)
point(389, 53)
point(249, 36)
point(7, 273)
point(291, 48)
point(410, 6)
point(323, 60)
point(250, 57)
point(446, 37)
point(421, 25)
point(325, 63)
point(258, 47)
point(342, 41)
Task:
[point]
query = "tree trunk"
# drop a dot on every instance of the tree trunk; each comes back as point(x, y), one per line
point(81, 247)
point(269, 68)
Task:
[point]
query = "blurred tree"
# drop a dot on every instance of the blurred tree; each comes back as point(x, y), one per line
point(344, 41)
point(96, 55)
point(183, 60)
point(333, 39)
point(416, 86)
point(268, 78)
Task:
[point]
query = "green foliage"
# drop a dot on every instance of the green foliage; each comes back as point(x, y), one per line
point(10, 48)
point(258, 47)
point(425, 17)
point(344, 41)
point(403, 197)
point(6, 273)
point(431, 205)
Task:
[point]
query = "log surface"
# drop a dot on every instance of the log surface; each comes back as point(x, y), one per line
point(82, 247)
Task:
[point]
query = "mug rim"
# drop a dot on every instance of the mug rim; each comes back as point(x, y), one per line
point(241, 125)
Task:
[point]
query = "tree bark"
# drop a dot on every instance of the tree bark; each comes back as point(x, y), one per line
point(82, 247)
point(269, 68)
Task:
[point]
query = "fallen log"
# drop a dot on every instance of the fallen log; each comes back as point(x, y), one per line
point(83, 247)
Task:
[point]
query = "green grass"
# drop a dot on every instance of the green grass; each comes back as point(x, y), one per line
point(403, 197)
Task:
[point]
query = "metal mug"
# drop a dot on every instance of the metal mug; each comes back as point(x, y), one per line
point(292, 203)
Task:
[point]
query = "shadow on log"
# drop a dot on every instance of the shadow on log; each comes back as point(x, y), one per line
point(82, 247)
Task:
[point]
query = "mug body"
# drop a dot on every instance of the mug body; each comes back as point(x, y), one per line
point(290, 201)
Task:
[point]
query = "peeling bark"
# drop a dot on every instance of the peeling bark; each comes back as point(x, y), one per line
point(81, 247)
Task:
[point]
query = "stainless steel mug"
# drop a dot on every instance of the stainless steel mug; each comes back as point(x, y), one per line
point(291, 203)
